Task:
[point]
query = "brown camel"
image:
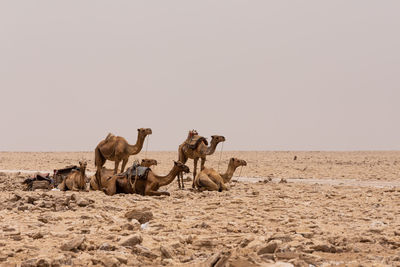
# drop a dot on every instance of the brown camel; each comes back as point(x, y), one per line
point(148, 163)
point(76, 180)
point(117, 149)
point(120, 183)
point(209, 179)
point(195, 147)
point(106, 173)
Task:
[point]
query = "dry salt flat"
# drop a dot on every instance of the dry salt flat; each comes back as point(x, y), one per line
point(320, 217)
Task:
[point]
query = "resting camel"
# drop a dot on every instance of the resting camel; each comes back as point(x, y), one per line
point(116, 148)
point(195, 147)
point(76, 180)
point(120, 183)
point(106, 173)
point(209, 179)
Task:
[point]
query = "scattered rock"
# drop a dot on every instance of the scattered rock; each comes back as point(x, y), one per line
point(166, 252)
point(73, 244)
point(283, 181)
point(37, 235)
point(82, 203)
point(142, 216)
point(106, 247)
point(271, 247)
point(143, 251)
point(131, 240)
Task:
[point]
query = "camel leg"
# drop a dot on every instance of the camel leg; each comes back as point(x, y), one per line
point(195, 170)
point(156, 193)
point(203, 161)
point(207, 183)
point(116, 166)
point(180, 176)
point(182, 159)
point(124, 162)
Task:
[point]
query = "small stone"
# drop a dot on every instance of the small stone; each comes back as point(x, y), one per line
point(106, 247)
point(109, 261)
point(271, 247)
point(37, 235)
point(142, 216)
point(205, 242)
point(73, 244)
point(166, 252)
point(43, 263)
point(15, 198)
point(29, 263)
point(283, 181)
point(143, 251)
point(82, 203)
point(131, 240)
point(324, 247)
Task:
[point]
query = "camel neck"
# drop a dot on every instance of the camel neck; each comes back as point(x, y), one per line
point(82, 174)
point(167, 179)
point(227, 176)
point(212, 147)
point(136, 148)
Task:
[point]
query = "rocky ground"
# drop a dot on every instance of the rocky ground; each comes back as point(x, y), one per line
point(253, 224)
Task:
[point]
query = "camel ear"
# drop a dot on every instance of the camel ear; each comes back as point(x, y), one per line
point(175, 163)
point(138, 130)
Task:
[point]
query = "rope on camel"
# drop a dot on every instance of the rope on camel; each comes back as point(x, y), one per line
point(220, 155)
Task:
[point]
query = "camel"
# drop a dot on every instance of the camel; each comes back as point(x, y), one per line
point(106, 173)
point(76, 180)
point(149, 186)
point(188, 150)
point(117, 149)
point(148, 163)
point(209, 179)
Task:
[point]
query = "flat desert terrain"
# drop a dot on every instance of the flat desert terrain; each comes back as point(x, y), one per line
point(336, 209)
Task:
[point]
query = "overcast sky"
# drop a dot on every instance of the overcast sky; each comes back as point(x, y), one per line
point(269, 75)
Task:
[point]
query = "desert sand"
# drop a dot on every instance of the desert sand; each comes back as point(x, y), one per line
point(256, 223)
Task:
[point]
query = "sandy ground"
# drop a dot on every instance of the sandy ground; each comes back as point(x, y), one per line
point(253, 224)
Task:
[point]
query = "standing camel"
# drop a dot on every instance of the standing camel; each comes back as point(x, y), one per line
point(76, 180)
point(195, 147)
point(209, 179)
point(117, 149)
point(147, 186)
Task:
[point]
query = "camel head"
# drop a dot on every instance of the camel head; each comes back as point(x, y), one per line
point(217, 138)
point(82, 164)
point(182, 167)
point(148, 162)
point(235, 162)
point(144, 131)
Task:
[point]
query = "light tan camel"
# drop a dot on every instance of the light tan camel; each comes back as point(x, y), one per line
point(106, 173)
point(76, 180)
point(195, 147)
point(117, 149)
point(147, 187)
point(209, 179)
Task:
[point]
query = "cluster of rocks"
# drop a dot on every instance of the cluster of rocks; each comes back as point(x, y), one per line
point(46, 202)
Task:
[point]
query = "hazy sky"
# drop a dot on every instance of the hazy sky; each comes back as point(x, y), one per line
point(269, 75)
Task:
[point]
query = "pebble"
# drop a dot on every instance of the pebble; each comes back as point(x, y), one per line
point(131, 240)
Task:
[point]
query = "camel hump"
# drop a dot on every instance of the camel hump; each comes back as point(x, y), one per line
point(195, 141)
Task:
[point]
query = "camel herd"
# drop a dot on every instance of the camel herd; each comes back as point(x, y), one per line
point(140, 178)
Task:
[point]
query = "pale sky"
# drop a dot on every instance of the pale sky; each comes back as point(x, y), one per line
point(268, 75)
